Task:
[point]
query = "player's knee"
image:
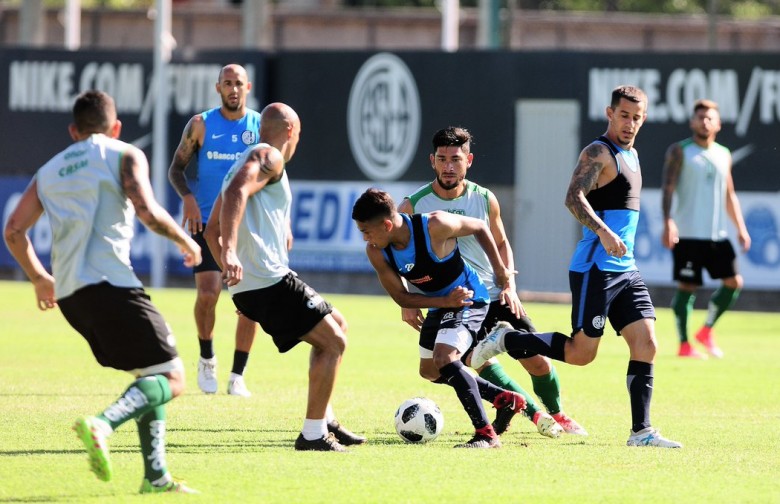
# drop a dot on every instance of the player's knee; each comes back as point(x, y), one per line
point(207, 298)
point(429, 372)
point(579, 358)
point(734, 282)
point(537, 365)
point(176, 383)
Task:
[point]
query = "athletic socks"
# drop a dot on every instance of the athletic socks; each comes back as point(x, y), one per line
point(495, 374)
point(524, 344)
point(141, 396)
point(466, 388)
point(548, 389)
point(722, 299)
point(239, 361)
point(151, 432)
point(639, 382)
point(314, 429)
point(682, 306)
point(206, 348)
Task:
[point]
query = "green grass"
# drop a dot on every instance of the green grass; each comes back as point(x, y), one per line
point(240, 450)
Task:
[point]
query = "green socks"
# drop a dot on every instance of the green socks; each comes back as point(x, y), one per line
point(496, 375)
point(141, 396)
point(151, 432)
point(721, 300)
point(682, 306)
point(548, 388)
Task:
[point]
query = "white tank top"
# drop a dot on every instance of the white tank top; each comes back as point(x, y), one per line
point(91, 218)
point(262, 232)
point(472, 203)
point(700, 211)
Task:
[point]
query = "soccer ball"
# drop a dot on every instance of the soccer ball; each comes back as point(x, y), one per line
point(418, 420)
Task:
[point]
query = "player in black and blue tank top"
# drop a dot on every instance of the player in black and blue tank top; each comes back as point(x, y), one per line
point(423, 249)
point(217, 137)
point(603, 196)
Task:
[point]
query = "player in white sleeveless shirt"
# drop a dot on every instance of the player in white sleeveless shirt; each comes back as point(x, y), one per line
point(451, 191)
point(91, 192)
point(248, 233)
point(698, 170)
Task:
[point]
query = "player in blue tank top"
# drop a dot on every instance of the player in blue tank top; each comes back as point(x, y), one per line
point(218, 136)
point(603, 196)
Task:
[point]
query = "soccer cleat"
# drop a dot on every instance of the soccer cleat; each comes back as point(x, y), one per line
point(686, 350)
point(207, 375)
point(237, 386)
point(569, 425)
point(511, 400)
point(344, 436)
point(97, 447)
point(650, 437)
point(503, 419)
point(491, 345)
point(706, 338)
point(328, 442)
point(172, 486)
point(483, 438)
point(546, 425)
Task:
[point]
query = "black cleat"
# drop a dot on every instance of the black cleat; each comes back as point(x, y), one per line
point(344, 436)
point(483, 438)
point(503, 419)
point(325, 443)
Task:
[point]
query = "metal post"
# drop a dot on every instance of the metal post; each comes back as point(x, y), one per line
point(712, 28)
point(163, 45)
point(72, 25)
point(450, 22)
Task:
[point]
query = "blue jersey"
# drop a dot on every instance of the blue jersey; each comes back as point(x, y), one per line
point(223, 143)
point(432, 275)
point(617, 204)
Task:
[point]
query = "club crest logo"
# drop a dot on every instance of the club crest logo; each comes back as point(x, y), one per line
point(383, 117)
point(249, 137)
point(598, 322)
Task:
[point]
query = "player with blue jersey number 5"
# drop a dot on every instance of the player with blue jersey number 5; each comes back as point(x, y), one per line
point(216, 138)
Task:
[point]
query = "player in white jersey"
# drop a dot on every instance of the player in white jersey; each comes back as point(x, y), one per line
point(451, 191)
point(91, 193)
point(698, 170)
point(247, 233)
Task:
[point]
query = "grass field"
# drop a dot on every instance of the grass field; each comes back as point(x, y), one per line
point(232, 449)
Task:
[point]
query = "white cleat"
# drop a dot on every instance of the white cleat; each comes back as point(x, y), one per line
point(207, 375)
point(569, 425)
point(492, 345)
point(236, 386)
point(546, 425)
point(651, 437)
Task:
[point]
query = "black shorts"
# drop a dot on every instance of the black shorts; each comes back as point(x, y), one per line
point(497, 313)
point(208, 263)
point(596, 296)
point(690, 256)
point(470, 317)
point(123, 328)
point(286, 310)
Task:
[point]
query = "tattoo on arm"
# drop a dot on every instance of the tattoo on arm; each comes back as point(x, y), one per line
point(181, 158)
point(584, 180)
point(142, 199)
point(671, 175)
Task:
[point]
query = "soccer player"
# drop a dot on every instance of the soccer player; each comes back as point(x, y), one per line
point(91, 192)
point(698, 170)
point(248, 234)
point(451, 191)
point(423, 249)
point(603, 195)
point(218, 136)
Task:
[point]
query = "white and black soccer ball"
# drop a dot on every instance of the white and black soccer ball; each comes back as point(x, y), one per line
point(418, 420)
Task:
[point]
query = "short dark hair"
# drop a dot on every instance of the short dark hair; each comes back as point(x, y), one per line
point(705, 104)
point(631, 93)
point(452, 136)
point(373, 204)
point(94, 112)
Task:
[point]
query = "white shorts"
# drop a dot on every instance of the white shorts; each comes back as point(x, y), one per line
point(458, 337)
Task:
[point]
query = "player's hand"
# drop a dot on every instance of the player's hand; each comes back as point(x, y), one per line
point(44, 292)
point(744, 241)
point(670, 236)
point(508, 297)
point(413, 317)
point(232, 271)
point(191, 220)
point(612, 243)
point(192, 253)
point(459, 296)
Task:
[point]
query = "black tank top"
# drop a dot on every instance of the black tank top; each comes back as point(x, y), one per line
point(622, 193)
point(427, 274)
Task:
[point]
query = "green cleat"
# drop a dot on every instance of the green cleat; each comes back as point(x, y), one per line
point(173, 486)
point(97, 447)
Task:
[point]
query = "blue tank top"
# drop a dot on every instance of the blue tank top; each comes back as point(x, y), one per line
point(223, 143)
point(432, 275)
point(617, 204)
